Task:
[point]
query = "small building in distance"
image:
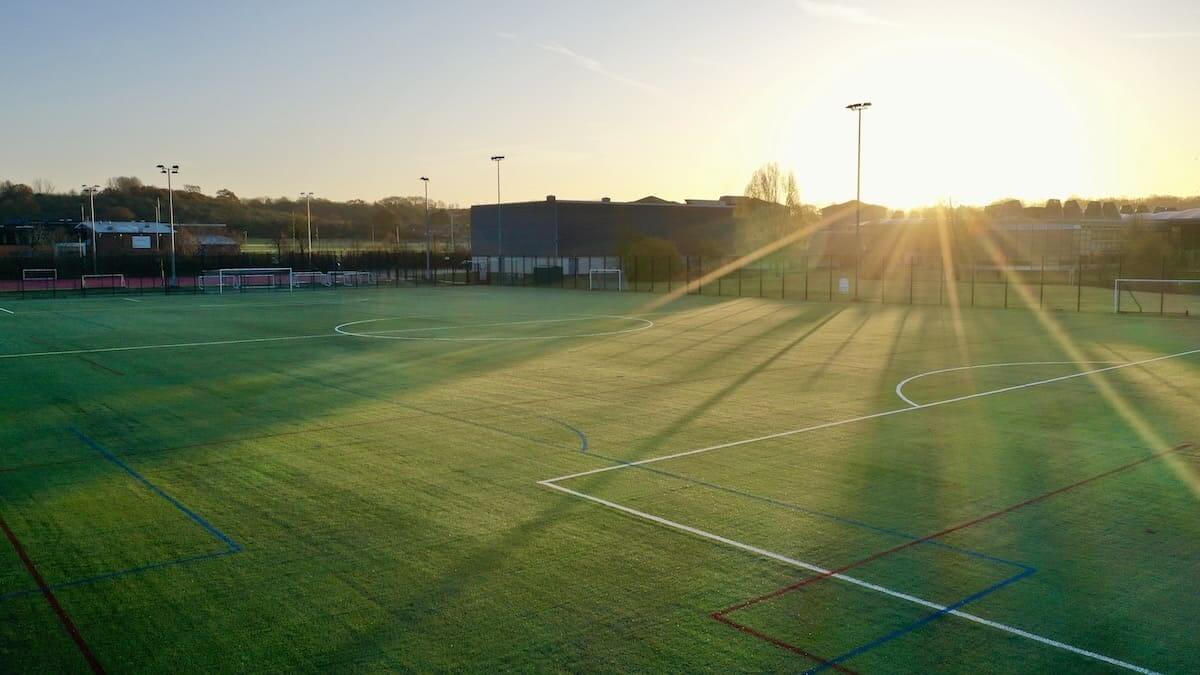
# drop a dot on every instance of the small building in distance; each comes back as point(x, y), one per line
point(568, 228)
point(137, 237)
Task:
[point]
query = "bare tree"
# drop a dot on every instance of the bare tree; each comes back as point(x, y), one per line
point(42, 186)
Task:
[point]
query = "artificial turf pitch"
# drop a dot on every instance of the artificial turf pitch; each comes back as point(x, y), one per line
point(198, 484)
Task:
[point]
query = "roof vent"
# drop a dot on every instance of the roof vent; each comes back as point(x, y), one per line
point(606, 199)
point(551, 198)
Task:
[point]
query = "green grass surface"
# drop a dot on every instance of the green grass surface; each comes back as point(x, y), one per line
point(381, 501)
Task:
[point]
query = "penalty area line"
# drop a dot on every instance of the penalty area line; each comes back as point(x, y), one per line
point(7, 311)
point(834, 574)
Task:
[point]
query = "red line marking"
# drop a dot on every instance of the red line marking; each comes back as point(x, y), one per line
point(779, 643)
point(63, 617)
point(720, 615)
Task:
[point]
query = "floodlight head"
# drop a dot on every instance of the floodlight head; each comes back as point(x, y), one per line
point(858, 106)
point(175, 167)
point(424, 179)
point(497, 158)
point(160, 166)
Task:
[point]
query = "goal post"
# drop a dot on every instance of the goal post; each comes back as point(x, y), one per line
point(598, 278)
point(1156, 296)
point(94, 281)
point(39, 274)
point(353, 278)
point(247, 278)
point(39, 279)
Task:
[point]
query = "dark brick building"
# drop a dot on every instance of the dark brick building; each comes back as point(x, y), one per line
point(559, 227)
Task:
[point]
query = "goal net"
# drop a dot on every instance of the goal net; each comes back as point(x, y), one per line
point(606, 279)
point(246, 279)
point(1157, 296)
point(39, 279)
point(351, 278)
point(94, 281)
point(310, 279)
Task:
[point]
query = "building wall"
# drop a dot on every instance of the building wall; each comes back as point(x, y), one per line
point(571, 228)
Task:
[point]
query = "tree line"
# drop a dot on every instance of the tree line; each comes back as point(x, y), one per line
point(126, 198)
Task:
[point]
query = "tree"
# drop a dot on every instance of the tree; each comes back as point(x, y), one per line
point(126, 184)
point(192, 189)
point(42, 186)
point(771, 185)
point(118, 213)
point(227, 195)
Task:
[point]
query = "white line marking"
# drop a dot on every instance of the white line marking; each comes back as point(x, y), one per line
point(379, 335)
point(863, 418)
point(131, 300)
point(7, 311)
point(900, 387)
point(849, 579)
point(174, 345)
point(552, 484)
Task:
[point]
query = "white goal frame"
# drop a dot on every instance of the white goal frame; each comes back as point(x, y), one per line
point(118, 279)
point(310, 279)
point(351, 278)
point(53, 276)
point(1118, 282)
point(606, 270)
point(237, 276)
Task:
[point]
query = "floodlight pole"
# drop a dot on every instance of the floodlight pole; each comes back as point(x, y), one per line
point(428, 269)
point(858, 108)
point(172, 169)
point(499, 231)
point(91, 190)
point(308, 210)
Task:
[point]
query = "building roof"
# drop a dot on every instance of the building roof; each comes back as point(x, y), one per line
point(126, 227)
point(1186, 214)
point(140, 226)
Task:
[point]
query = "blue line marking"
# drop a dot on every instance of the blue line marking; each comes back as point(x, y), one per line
point(583, 439)
point(232, 546)
point(1025, 570)
point(118, 574)
point(905, 630)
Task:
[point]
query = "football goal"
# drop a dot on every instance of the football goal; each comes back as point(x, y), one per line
point(310, 279)
point(36, 274)
point(39, 279)
point(352, 278)
point(94, 281)
point(603, 279)
point(246, 279)
point(1157, 296)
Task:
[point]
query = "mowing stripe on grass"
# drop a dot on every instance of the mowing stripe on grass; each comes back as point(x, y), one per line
point(59, 611)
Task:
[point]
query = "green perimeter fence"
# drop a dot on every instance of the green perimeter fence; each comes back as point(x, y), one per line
point(1084, 284)
point(1078, 285)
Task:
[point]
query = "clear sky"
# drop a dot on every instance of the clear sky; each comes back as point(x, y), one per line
point(973, 101)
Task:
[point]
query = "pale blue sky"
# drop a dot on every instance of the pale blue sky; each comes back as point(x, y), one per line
point(973, 101)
